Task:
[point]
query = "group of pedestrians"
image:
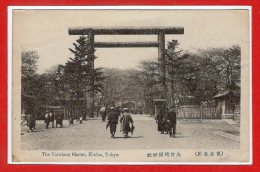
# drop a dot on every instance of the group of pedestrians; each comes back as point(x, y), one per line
point(167, 121)
point(49, 117)
point(115, 115)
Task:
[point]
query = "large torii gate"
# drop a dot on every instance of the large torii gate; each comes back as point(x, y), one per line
point(160, 43)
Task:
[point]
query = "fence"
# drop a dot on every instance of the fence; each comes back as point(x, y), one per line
point(188, 112)
point(74, 110)
point(237, 112)
point(69, 110)
point(210, 112)
point(197, 112)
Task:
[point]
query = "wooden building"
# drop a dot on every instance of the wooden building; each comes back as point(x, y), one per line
point(228, 104)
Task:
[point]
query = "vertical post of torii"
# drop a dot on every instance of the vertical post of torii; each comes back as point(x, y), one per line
point(91, 64)
point(161, 58)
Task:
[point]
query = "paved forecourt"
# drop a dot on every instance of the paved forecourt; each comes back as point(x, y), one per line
point(92, 135)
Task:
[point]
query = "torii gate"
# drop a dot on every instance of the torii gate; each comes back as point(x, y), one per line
point(160, 31)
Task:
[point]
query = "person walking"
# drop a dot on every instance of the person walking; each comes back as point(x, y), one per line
point(59, 119)
point(112, 118)
point(52, 119)
point(125, 121)
point(103, 112)
point(47, 119)
point(71, 120)
point(171, 120)
point(159, 121)
point(80, 119)
point(118, 111)
point(30, 123)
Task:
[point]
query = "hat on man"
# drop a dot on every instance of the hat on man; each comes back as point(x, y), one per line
point(112, 108)
point(125, 110)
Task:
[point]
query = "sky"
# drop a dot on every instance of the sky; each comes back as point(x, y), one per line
point(46, 31)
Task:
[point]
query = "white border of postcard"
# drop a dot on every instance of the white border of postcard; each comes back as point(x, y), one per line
point(11, 8)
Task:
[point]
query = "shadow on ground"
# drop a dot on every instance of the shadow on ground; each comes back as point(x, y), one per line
point(130, 137)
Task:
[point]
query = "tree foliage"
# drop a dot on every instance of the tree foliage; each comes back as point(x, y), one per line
point(148, 79)
point(29, 79)
point(29, 63)
point(80, 76)
point(98, 79)
point(77, 68)
point(205, 73)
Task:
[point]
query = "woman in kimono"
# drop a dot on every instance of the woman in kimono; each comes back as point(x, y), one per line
point(125, 121)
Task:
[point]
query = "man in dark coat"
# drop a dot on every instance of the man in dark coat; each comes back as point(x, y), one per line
point(112, 118)
point(52, 119)
point(117, 109)
point(31, 122)
point(125, 121)
point(71, 120)
point(171, 120)
point(159, 120)
point(59, 119)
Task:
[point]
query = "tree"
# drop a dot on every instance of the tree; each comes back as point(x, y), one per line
point(224, 63)
point(28, 80)
point(120, 86)
point(29, 63)
point(172, 57)
point(188, 74)
point(193, 81)
point(77, 70)
point(209, 71)
point(113, 85)
point(229, 63)
point(80, 74)
point(96, 84)
point(148, 78)
point(50, 85)
point(98, 81)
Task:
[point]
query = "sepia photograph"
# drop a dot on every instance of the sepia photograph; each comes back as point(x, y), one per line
point(130, 85)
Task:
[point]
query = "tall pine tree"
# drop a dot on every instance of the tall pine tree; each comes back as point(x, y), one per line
point(172, 57)
point(80, 72)
point(77, 69)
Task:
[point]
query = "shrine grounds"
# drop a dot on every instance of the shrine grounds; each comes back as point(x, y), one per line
point(92, 135)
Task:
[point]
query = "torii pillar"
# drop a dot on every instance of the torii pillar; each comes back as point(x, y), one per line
point(91, 63)
point(161, 59)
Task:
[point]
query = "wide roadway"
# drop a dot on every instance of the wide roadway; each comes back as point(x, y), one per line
point(92, 135)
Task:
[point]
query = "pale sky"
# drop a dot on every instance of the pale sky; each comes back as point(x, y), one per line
point(46, 31)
